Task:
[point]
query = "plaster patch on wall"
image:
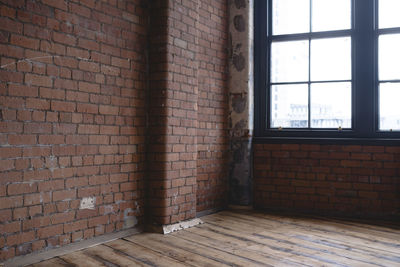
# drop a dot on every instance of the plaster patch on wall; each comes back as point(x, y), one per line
point(87, 203)
point(238, 22)
point(240, 4)
point(239, 61)
point(181, 225)
point(129, 219)
point(241, 100)
point(239, 103)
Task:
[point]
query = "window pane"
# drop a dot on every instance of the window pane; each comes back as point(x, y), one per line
point(290, 16)
point(289, 61)
point(289, 106)
point(328, 15)
point(389, 13)
point(389, 111)
point(389, 57)
point(331, 105)
point(331, 59)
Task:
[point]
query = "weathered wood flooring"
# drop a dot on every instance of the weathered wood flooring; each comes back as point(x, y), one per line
point(249, 238)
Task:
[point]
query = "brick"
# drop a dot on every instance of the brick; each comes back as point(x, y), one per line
point(98, 221)
point(63, 217)
point(22, 139)
point(20, 213)
point(38, 80)
point(64, 195)
point(40, 104)
point(81, 10)
point(119, 62)
point(89, 87)
point(88, 108)
point(20, 238)
point(64, 38)
point(23, 41)
point(63, 106)
point(10, 202)
point(52, 94)
point(38, 128)
point(51, 185)
point(57, 4)
point(78, 53)
point(75, 226)
point(89, 66)
point(51, 139)
point(110, 70)
point(50, 231)
point(21, 90)
point(18, 189)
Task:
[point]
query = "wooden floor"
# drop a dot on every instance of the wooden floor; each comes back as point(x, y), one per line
point(249, 238)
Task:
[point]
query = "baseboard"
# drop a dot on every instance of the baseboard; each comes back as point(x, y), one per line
point(36, 257)
point(208, 212)
point(240, 207)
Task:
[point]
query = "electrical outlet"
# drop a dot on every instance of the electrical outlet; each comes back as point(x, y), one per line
point(87, 203)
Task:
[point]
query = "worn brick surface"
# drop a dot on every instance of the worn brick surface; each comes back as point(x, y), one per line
point(212, 138)
point(72, 79)
point(332, 179)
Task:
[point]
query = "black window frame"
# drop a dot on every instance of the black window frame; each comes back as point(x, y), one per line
point(365, 114)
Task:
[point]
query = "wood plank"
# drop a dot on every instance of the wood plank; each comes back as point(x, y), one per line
point(317, 229)
point(364, 230)
point(53, 262)
point(279, 242)
point(143, 254)
point(249, 243)
point(107, 254)
point(214, 253)
point(157, 243)
point(368, 253)
point(214, 241)
point(249, 238)
point(79, 258)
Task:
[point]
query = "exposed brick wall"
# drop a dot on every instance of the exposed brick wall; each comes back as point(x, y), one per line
point(349, 180)
point(173, 111)
point(212, 138)
point(72, 120)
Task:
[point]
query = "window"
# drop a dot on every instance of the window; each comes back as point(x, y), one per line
point(327, 68)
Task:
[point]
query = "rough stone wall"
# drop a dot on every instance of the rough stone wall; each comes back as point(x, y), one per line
point(346, 180)
point(72, 120)
point(241, 100)
point(212, 134)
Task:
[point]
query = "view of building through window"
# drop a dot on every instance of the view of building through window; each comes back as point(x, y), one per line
point(310, 78)
point(389, 66)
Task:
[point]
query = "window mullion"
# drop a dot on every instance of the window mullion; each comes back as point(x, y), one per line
point(365, 75)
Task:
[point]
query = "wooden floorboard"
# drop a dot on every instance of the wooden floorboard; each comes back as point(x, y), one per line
point(250, 238)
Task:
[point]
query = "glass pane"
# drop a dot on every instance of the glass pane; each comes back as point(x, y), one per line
point(289, 61)
point(289, 106)
point(389, 111)
point(329, 15)
point(389, 57)
point(290, 16)
point(389, 13)
point(331, 105)
point(331, 59)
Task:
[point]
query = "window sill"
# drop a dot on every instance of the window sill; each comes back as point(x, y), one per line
point(327, 141)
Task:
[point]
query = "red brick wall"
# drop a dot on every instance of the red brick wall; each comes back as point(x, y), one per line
point(212, 136)
point(172, 151)
point(350, 180)
point(72, 120)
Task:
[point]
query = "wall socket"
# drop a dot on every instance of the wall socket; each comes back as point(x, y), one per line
point(87, 203)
